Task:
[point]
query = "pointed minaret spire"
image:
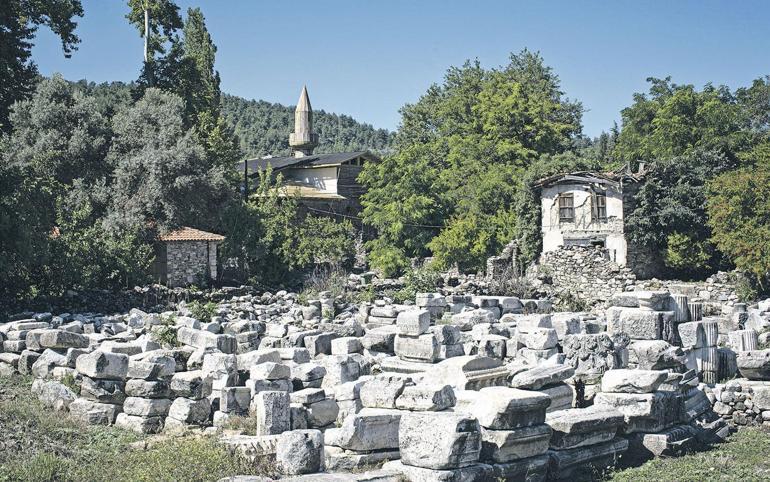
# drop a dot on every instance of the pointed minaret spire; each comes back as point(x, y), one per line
point(303, 140)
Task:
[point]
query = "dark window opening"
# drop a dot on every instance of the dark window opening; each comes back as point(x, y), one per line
point(566, 208)
point(600, 207)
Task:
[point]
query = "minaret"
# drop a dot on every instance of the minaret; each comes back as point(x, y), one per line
point(303, 140)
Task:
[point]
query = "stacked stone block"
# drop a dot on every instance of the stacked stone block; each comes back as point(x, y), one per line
point(148, 392)
point(107, 373)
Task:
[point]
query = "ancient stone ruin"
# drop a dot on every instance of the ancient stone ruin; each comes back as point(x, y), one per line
point(448, 387)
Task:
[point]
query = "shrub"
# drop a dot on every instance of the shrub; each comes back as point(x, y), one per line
point(331, 278)
point(571, 301)
point(512, 283)
point(424, 279)
point(165, 334)
point(202, 311)
point(68, 380)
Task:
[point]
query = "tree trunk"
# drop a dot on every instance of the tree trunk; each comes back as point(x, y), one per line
point(146, 34)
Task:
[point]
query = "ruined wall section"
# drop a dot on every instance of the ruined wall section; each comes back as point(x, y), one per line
point(586, 273)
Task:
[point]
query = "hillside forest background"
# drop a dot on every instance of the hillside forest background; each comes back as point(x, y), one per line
point(91, 174)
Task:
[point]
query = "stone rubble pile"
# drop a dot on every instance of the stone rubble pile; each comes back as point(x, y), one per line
point(456, 387)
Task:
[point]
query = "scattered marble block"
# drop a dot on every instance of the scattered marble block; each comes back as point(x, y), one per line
point(541, 376)
point(566, 464)
point(643, 412)
point(672, 441)
point(562, 396)
point(754, 365)
point(426, 398)
point(578, 427)
point(439, 440)
point(94, 413)
point(337, 459)
point(502, 446)
point(470, 473)
point(368, 430)
point(469, 372)
point(300, 452)
point(102, 365)
point(139, 424)
point(503, 408)
point(382, 391)
point(632, 381)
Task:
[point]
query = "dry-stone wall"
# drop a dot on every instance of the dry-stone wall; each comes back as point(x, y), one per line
point(446, 387)
point(584, 272)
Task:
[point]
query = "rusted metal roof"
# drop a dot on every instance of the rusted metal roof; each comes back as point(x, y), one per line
point(190, 234)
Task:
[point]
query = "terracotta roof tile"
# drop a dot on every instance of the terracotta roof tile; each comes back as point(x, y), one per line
point(190, 234)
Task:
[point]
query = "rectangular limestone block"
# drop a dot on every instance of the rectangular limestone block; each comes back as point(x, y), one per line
point(368, 430)
point(454, 441)
point(503, 408)
point(413, 322)
point(643, 412)
point(502, 446)
point(424, 348)
point(578, 427)
point(566, 462)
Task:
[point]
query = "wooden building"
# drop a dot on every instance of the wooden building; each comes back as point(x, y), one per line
point(325, 184)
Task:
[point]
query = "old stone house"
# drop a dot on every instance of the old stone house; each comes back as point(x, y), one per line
point(326, 184)
point(590, 209)
point(186, 256)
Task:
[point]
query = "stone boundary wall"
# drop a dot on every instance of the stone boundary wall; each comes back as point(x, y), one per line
point(588, 274)
point(741, 401)
point(584, 272)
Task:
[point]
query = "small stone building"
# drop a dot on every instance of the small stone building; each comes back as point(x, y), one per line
point(590, 209)
point(186, 256)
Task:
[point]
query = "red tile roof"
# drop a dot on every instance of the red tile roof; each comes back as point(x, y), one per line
point(190, 234)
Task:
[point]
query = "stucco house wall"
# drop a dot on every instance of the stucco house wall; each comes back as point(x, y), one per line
point(584, 229)
point(322, 178)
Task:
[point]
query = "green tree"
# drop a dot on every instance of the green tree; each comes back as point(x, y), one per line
point(26, 220)
point(461, 153)
point(674, 120)
point(19, 20)
point(161, 172)
point(157, 22)
point(670, 217)
point(59, 133)
point(739, 216)
point(202, 95)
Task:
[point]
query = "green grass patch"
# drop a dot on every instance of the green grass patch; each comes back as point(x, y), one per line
point(39, 444)
point(745, 456)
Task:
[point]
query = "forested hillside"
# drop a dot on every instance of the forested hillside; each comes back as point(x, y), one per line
point(263, 129)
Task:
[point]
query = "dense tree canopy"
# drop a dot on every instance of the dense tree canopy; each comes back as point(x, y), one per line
point(450, 189)
point(739, 215)
point(686, 138)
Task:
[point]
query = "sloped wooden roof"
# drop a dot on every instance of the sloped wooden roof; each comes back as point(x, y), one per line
point(579, 177)
point(190, 234)
point(254, 166)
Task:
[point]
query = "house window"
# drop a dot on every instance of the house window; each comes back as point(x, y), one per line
point(566, 208)
point(600, 207)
